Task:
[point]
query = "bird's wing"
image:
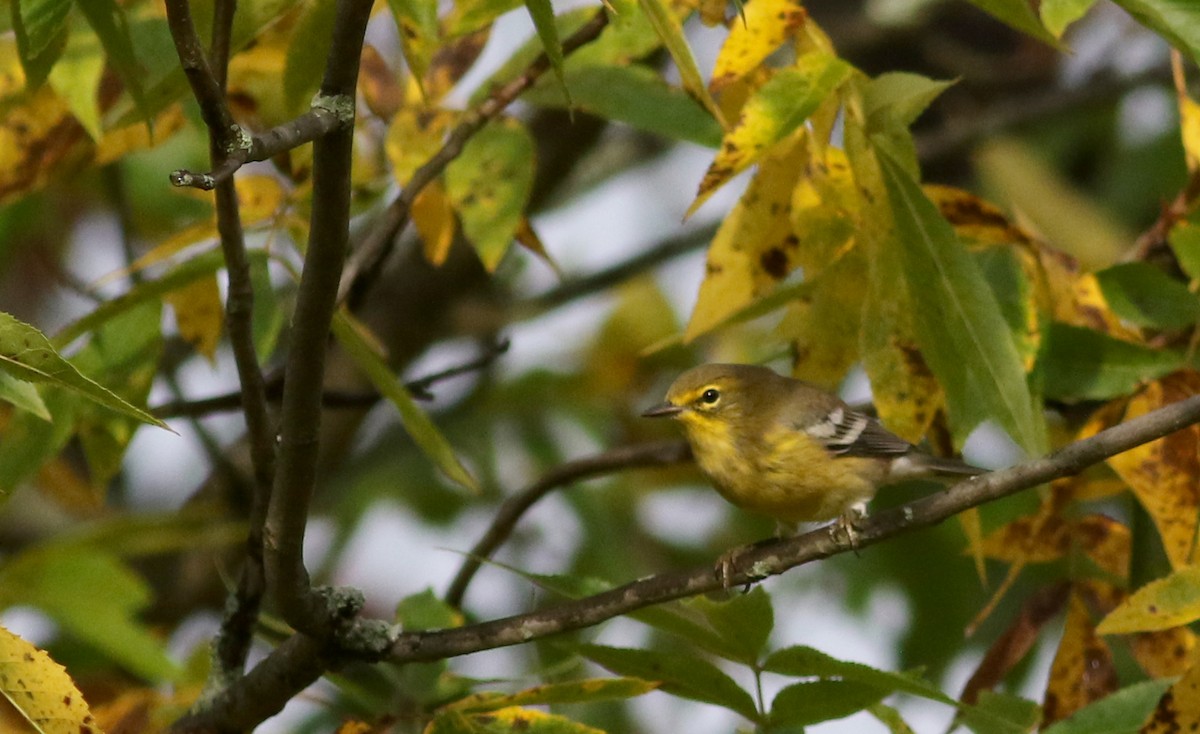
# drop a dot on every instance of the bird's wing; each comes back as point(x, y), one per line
point(846, 432)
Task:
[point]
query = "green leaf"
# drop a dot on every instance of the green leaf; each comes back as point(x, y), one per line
point(1018, 14)
point(147, 291)
point(686, 676)
point(107, 19)
point(805, 662)
point(900, 95)
point(576, 691)
point(542, 14)
point(22, 395)
point(1144, 295)
point(801, 704)
point(743, 621)
point(961, 330)
point(1001, 713)
point(890, 718)
point(1120, 712)
point(132, 536)
point(126, 351)
point(1081, 364)
point(41, 30)
point(30, 441)
point(1185, 241)
point(489, 185)
point(666, 24)
point(425, 611)
point(417, 21)
point(76, 78)
point(25, 353)
point(306, 54)
point(1178, 21)
point(637, 96)
point(469, 16)
point(95, 597)
point(416, 422)
point(1058, 14)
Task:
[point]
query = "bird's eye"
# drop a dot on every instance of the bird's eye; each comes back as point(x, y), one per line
point(710, 396)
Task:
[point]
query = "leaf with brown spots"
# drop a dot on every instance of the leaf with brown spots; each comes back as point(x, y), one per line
point(489, 184)
point(772, 114)
point(41, 689)
point(1164, 653)
point(417, 21)
point(755, 35)
point(753, 249)
point(1159, 605)
point(1179, 709)
point(1082, 670)
point(907, 396)
point(1165, 474)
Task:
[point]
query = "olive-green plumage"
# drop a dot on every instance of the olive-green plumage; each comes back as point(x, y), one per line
point(787, 449)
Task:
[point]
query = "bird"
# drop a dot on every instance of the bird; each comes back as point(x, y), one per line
point(784, 448)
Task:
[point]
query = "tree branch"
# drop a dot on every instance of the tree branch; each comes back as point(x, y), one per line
point(300, 414)
point(298, 662)
point(368, 258)
point(661, 453)
point(755, 563)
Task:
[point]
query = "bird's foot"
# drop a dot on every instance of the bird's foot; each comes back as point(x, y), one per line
point(724, 567)
point(844, 530)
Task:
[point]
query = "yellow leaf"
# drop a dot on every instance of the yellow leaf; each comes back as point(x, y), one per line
point(1179, 708)
point(1082, 670)
point(41, 689)
point(1165, 474)
point(1159, 605)
point(1164, 653)
point(754, 249)
point(413, 137)
point(755, 35)
point(433, 217)
point(199, 315)
point(771, 115)
point(528, 238)
point(1189, 115)
point(972, 527)
point(259, 198)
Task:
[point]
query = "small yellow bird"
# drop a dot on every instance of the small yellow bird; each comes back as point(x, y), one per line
point(784, 448)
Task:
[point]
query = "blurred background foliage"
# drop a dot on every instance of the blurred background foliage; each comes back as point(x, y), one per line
point(976, 212)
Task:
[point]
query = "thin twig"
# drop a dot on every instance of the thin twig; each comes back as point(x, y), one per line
point(581, 287)
point(206, 75)
point(205, 87)
point(371, 253)
point(662, 453)
point(306, 128)
point(418, 388)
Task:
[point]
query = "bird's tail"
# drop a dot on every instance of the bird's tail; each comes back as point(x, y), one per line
point(940, 465)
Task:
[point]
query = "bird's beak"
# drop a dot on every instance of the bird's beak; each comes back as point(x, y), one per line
point(663, 410)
